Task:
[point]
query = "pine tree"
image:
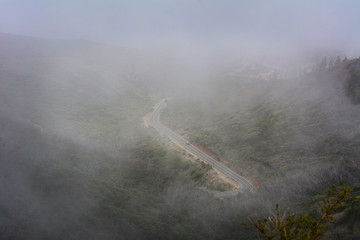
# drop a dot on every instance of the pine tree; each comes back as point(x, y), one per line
point(337, 61)
point(303, 227)
point(323, 64)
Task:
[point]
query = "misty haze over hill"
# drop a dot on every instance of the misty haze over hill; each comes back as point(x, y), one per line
point(271, 89)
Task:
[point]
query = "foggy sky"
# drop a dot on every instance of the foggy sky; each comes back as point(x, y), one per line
point(189, 25)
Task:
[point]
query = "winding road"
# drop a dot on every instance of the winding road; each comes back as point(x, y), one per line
point(154, 121)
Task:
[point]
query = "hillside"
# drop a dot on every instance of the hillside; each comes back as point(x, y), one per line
point(76, 162)
point(292, 136)
point(81, 90)
point(259, 125)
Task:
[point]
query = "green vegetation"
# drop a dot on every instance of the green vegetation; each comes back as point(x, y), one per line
point(304, 226)
point(77, 164)
point(273, 128)
point(296, 136)
point(92, 195)
point(75, 161)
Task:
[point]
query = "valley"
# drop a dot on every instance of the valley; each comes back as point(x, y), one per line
point(80, 161)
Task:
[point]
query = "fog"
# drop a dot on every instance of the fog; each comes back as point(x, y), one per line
point(193, 27)
point(269, 87)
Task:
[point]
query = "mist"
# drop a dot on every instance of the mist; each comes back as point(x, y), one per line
point(270, 89)
point(194, 27)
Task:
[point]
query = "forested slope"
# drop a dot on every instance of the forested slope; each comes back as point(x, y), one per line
point(294, 135)
point(76, 163)
point(274, 127)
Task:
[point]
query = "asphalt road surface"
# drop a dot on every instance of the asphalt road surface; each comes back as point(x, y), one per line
point(154, 121)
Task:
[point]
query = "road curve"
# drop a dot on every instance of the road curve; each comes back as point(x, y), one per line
point(154, 121)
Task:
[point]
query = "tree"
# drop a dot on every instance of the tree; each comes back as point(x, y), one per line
point(303, 227)
point(323, 64)
point(337, 61)
point(331, 63)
